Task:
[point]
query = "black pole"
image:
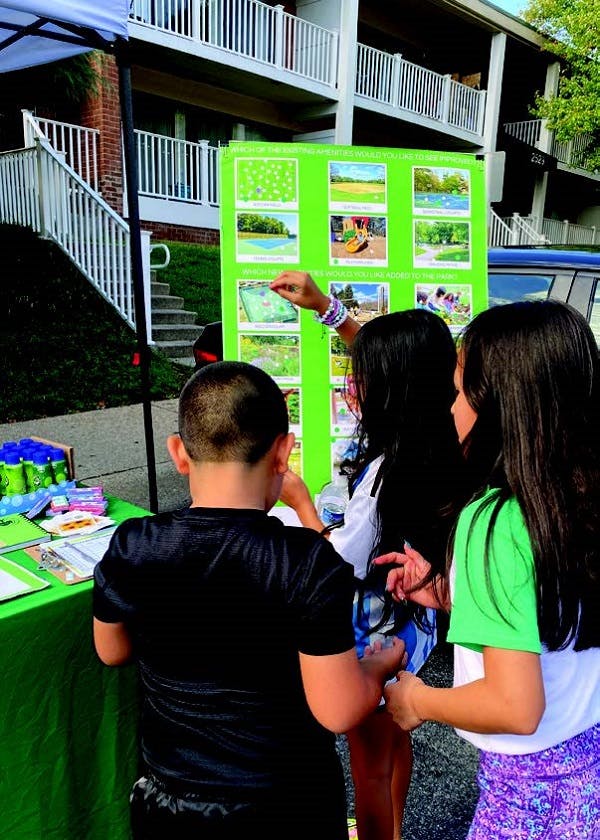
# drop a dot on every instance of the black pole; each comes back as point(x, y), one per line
point(137, 271)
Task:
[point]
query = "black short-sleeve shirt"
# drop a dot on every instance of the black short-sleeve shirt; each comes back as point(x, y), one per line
point(219, 602)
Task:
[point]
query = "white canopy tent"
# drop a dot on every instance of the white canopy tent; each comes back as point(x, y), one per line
point(36, 32)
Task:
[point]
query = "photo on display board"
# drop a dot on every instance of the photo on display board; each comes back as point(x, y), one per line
point(339, 356)
point(364, 301)
point(442, 244)
point(441, 192)
point(259, 306)
point(358, 187)
point(451, 301)
point(277, 355)
point(267, 237)
point(295, 459)
point(358, 240)
point(292, 401)
point(343, 409)
point(342, 450)
point(266, 182)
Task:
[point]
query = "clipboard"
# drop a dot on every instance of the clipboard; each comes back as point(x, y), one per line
point(60, 567)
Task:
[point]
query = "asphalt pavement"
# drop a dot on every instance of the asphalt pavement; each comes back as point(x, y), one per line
point(110, 449)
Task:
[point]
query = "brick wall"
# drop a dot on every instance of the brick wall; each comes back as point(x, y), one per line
point(103, 112)
point(180, 233)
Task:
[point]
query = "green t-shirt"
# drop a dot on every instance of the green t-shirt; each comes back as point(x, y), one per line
point(508, 620)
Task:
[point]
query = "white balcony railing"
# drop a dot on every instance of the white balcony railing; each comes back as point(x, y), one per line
point(389, 79)
point(248, 28)
point(177, 169)
point(571, 153)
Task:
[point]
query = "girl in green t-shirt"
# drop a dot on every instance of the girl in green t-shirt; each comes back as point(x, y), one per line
point(523, 582)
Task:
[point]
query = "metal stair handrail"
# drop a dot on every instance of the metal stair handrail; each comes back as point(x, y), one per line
point(38, 189)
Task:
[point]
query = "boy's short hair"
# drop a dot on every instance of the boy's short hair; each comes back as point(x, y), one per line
point(231, 411)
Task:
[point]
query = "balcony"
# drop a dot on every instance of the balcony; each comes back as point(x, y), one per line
point(278, 44)
point(570, 154)
point(388, 84)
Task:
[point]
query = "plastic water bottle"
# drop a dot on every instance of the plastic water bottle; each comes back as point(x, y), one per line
point(333, 499)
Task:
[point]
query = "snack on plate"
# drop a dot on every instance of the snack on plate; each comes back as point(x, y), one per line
point(75, 522)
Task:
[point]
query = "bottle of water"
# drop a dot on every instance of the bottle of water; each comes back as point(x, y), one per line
point(333, 499)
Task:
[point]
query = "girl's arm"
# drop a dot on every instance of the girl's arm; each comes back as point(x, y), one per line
point(299, 288)
point(509, 699)
point(296, 495)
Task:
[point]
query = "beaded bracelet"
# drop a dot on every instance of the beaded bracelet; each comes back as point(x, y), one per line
point(335, 314)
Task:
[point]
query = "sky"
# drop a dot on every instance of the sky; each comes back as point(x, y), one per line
point(511, 6)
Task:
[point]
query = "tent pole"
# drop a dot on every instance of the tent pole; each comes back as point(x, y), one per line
point(137, 271)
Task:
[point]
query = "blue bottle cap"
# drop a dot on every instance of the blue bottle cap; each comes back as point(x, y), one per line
point(12, 457)
point(26, 441)
point(57, 454)
point(10, 444)
point(40, 457)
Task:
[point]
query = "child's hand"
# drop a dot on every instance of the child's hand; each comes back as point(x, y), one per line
point(299, 288)
point(398, 700)
point(386, 659)
point(404, 581)
point(294, 491)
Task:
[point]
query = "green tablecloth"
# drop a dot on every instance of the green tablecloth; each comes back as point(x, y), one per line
point(68, 736)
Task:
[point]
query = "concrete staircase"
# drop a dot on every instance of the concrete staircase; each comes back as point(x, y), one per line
point(174, 329)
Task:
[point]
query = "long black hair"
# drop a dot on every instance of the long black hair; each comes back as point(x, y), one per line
point(403, 367)
point(531, 373)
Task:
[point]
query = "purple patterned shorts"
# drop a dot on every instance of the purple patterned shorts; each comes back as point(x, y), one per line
point(549, 795)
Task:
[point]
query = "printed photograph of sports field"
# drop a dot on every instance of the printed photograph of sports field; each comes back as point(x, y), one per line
point(357, 186)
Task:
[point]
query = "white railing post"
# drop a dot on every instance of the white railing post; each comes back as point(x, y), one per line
point(445, 104)
point(566, 231)
point(334, 59)
point(27, 131)
point(396, 79)
point(204, 176)
point(42, 190)
point(279, 39)
point(145, 243)
point(514, 239)
point(481, 103)
point(196, 20)
point(593, 234)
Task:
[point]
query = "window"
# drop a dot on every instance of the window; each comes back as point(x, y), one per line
point(509, 287)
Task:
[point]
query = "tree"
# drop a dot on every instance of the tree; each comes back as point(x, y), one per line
point(572, 28)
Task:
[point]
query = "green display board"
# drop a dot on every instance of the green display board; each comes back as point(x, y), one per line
point(383, 229)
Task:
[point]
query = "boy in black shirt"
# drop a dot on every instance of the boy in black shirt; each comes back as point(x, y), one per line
point(242, 629)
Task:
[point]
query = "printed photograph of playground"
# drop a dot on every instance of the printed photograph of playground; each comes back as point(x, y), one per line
point(292, 401)
point(343, 420)
point(358, 240)
point(339, 355)
point(259, 306)
point(451, 301)
point(267, 237)
point(364, 301)
point(357, 186)
point(441, 192)
point(277, 355)
point(442, 244)
point(266, 182)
